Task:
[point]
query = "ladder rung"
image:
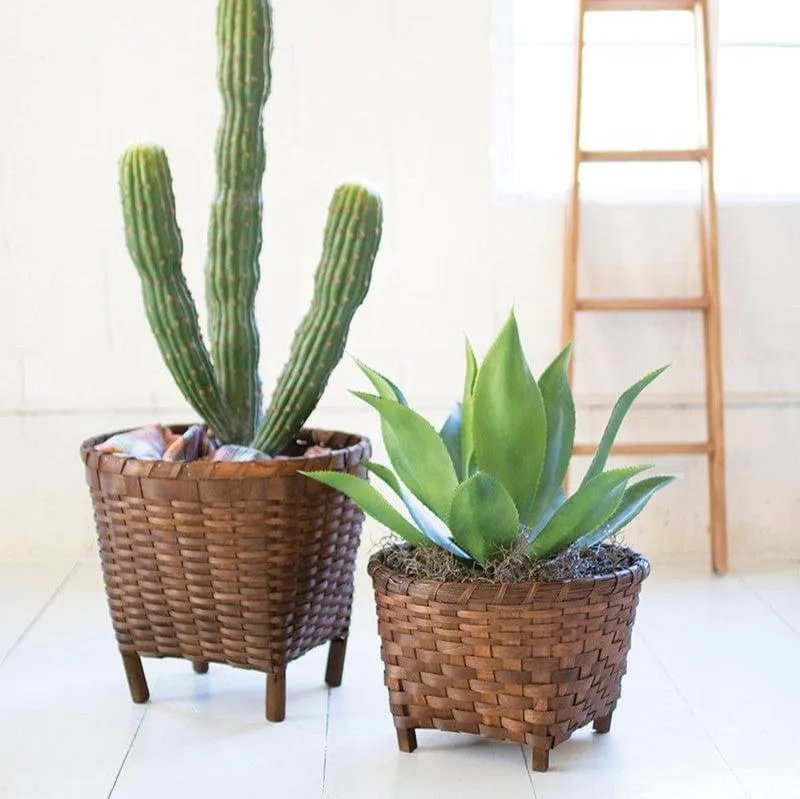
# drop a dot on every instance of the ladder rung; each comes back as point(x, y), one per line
point(622, 156)
point(692, 448)
point(643, 304)
point(640, 5)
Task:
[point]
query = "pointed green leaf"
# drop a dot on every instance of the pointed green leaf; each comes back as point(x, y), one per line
point(633, 501)
point(472, 368)
point(388, 390)
point(383, 385)
point(585, 510)
point(451, 435)
point(417, 454)
point(557, 502)
point(467, 447)
point(372, 503)
point(615, 421)
point(560, 414)
point(385, 474)
point(483, 517)
point(432, 527)
point(509, 424)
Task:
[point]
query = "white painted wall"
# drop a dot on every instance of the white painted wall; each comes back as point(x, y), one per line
point(396, 93)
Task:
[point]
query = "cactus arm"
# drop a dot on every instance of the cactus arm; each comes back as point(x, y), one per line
point(352, 237)
point(156, 248)
point(232, 271)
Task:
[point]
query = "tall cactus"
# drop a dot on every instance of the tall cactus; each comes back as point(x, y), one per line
point(228, 395)
point(234, 240)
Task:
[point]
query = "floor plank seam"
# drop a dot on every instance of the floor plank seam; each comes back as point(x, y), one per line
point(524, 754)
point(48, 602)
point(127, 753)
point(325, 741)
point(775, 612)
point(700, 723)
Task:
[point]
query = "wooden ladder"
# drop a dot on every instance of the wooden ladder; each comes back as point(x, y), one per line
point(708, 302)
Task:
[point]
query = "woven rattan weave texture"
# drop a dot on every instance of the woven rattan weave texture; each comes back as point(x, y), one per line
point(249, 564)
point(524, 662)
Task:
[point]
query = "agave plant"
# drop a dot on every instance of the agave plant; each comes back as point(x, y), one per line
point(493, 476)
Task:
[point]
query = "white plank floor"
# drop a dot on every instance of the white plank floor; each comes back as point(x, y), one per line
point(710, 708)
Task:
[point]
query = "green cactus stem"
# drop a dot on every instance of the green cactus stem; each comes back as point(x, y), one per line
point(352, 238)
point(155, 245)
point(228, 394)
point(244, 29)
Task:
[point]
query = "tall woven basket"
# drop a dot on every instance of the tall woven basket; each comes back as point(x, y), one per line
point(524, 662)
point(249, 564)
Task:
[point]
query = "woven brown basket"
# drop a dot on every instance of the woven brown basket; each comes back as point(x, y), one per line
point(525, 662)
point(249, 564)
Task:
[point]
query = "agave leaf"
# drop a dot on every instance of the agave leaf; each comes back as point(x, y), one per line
point(436, 530)
point(451, 435)
point(590, 506)
point(385, 474)
point(388, 390)
point(372, 503)
point(633, 501)
point(417, 454)
point(467, 447)
point(560, 413)
point(509, 424)
point(432, 527)
point(557, 502)
point(618, 413)
point(483, 517)
point(385, 387)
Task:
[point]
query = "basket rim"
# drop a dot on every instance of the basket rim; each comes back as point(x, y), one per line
point(460, 593)
point(357, 449)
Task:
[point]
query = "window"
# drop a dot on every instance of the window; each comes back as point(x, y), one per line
point(640, 92)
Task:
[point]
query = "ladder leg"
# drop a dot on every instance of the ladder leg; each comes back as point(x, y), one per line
point(573, 219)
point(712, 316)
point(715, 411)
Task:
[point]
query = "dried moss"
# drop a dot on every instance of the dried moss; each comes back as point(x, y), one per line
point(433, 563)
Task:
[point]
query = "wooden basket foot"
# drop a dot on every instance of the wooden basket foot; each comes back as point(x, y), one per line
point(335, 667)
point(603, 724)
point(541, 759)
point(200, 666)
point(407, 740)
point(137, 683)
point(276, 696)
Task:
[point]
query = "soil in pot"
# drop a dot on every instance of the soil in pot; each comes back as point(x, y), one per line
point(434, 563)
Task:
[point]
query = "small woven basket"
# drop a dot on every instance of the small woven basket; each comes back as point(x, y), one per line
point(249, 564)
point(524, 662)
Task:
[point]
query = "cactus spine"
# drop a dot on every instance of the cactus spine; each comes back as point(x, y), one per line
point(234, 241)
point(228, 395)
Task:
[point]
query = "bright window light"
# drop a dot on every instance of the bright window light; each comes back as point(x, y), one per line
point(640, 91)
